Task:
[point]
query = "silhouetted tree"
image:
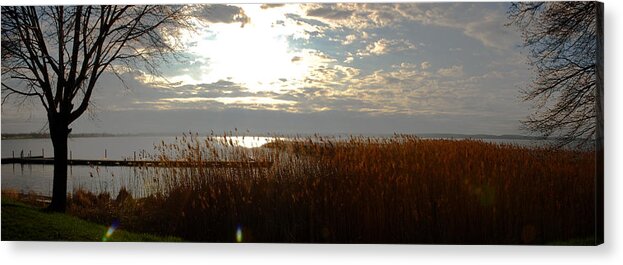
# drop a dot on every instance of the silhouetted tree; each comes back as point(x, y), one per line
point(57, 54)
point(565, 40)
point(566, 43)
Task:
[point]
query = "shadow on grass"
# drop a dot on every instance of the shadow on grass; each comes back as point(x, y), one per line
point(21, 222)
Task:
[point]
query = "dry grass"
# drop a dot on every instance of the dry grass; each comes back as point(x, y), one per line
point(30, 198)
point(361, 190)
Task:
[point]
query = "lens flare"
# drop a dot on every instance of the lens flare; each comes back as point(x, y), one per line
point(111, 229)
point(239, 234)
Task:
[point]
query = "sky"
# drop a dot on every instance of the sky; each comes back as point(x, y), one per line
point(320, 68)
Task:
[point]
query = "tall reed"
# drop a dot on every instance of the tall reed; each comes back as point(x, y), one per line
point(365, 190)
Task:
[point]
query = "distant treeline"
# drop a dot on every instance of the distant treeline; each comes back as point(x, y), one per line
point(481, 136)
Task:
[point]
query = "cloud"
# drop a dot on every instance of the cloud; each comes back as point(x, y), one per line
point(381, 15)
point(384, 46)
point(452, 71)
point(403, 89)
point(358, 77)
point(349, 39)
point(376, 48)
point(352, 15)
point(219, 13)
point(232, 100)
point(218, 95)
point(490, 30)
point(330, 11)
point(268, 6)
point(483, 23)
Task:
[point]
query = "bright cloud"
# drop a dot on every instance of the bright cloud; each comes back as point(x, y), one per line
point(280, 55)
point(384, 46)
point(258, 55)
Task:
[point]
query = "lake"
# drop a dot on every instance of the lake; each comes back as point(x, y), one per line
point(38, 178)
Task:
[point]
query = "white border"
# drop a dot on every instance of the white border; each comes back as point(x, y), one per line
point(193, 253)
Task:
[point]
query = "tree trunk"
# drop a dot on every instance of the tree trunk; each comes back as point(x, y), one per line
point(599, 98)
point(59, 131)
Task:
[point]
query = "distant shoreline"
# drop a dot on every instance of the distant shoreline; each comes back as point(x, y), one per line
point(14, 136)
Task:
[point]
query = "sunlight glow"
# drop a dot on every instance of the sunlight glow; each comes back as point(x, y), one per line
point(258, 56)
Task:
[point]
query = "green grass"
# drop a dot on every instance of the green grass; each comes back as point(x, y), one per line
point(22, 222)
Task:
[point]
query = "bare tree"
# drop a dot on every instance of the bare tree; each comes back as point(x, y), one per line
point(57, 54)
point(565, 40)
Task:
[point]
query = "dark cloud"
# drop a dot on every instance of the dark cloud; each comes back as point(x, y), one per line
point(223, 84)
point(330, 11)
point(279, 23)
point(267, 6)
point(301, 20)
point(219, 13)
point(221, 88)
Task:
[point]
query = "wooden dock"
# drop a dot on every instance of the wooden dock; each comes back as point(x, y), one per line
point(137, 163)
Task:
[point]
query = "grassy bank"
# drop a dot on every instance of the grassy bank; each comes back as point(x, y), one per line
point(362, 190)
point(21, 222)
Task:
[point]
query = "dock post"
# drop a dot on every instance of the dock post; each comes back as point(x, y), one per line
point(29, 153)
point(42, 153)
point(134, 155)
point(21, 154)
point(70, 155)
point(105, 153)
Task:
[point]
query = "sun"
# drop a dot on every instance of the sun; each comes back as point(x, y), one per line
point(259, 56)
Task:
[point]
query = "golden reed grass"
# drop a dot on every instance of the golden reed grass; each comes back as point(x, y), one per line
point(361, 190)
